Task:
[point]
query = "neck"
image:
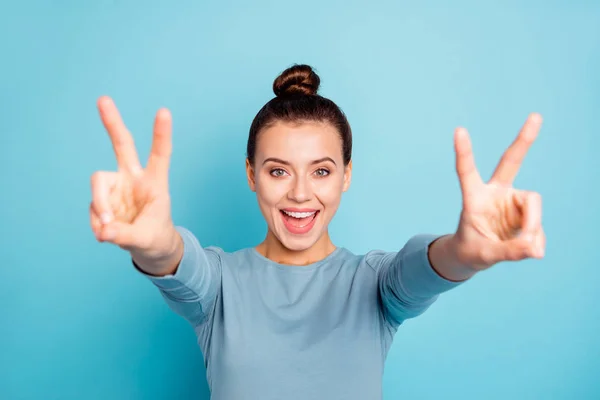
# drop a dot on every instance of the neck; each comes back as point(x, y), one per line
point(274, 250)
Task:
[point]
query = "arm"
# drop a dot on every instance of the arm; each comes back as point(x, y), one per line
point(497, 223)
point(165, 263)
point(192, 286)
point(444, 258)
point(407, 282)
point(131, 208)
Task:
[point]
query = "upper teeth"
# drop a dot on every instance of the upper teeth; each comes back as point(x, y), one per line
point(299, 214)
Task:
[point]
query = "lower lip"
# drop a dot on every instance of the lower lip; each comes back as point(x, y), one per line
point(299, 230)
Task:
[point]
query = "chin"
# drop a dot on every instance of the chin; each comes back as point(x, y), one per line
point(297, 244)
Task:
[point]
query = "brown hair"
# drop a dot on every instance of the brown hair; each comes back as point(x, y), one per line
point(297, 101)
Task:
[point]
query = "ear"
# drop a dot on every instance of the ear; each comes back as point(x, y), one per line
point(250, 175)
point(347, 176)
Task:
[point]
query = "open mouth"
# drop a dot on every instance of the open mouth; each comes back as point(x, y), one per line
point(299, 222)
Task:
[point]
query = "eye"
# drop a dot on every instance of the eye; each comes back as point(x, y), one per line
point(321, 172)
point(277, 172)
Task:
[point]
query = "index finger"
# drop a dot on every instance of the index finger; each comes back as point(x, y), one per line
point(511, 160)
point(160, 153)
point(122, 141)
point(468, 176)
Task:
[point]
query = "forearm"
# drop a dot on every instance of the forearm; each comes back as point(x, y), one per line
point(162, 264)
point(445, 260)
point(188, 276)
point(408, 283)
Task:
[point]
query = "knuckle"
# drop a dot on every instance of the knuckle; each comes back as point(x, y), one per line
point(95, 208)
point(97, 178)
point(526, 249)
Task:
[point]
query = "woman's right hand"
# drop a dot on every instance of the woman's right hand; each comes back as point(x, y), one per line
point(131, 207)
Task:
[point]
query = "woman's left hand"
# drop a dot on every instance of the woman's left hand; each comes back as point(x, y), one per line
point(497, 222)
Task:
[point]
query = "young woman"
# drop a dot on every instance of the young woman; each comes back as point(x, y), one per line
point(297, 317)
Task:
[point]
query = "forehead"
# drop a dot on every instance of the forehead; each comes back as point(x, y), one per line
point(299, 141)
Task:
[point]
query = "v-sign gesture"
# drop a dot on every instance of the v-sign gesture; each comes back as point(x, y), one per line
point(497, 222)
point(131, 207)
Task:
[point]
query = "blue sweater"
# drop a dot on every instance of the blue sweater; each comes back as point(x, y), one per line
point(270, 331)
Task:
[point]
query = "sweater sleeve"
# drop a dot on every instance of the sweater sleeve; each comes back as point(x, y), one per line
point(192, 290)
point(407, 283)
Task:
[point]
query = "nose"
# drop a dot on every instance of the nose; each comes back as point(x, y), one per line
point(300, 191)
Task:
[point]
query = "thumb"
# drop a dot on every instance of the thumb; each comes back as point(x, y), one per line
point(518, 248)
point(530, 204)
point(119, 233)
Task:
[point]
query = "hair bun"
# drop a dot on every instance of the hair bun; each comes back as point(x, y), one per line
point(297, 80)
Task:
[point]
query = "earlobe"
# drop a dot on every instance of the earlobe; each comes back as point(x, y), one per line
point(347, 176)
point(250, 175)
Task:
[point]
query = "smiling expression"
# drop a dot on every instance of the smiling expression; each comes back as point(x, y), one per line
point(299, 177)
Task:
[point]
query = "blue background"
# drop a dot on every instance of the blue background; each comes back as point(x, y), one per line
point(79, 323)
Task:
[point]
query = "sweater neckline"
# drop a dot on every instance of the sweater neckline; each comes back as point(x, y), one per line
point(307, 267)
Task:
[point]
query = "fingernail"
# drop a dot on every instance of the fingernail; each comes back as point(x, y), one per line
point(540, 251)
point(105, 218)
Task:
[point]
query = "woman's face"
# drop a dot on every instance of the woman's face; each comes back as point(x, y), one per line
point(299, 177)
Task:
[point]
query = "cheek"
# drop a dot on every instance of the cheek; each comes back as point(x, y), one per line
point(329, 193)
point(270, 192)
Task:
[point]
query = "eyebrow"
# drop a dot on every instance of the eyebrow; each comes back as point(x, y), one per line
point(280, 161)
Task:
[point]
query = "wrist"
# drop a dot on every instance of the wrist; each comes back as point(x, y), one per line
point(163, 261)
point(445, 256)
